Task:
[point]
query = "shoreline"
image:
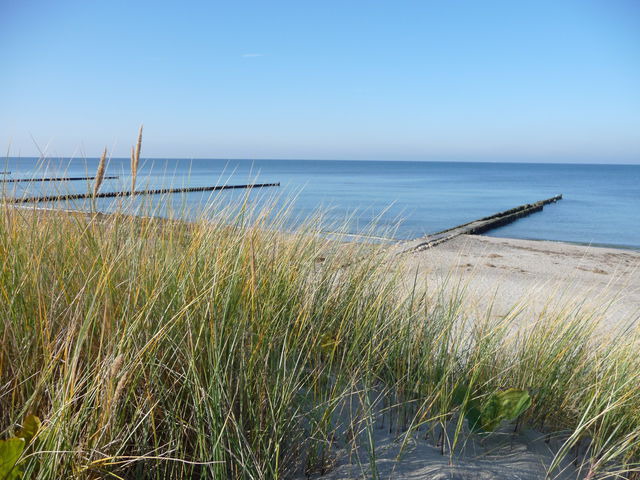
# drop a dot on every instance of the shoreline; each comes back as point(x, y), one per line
point(581, 244)
point(365, 237)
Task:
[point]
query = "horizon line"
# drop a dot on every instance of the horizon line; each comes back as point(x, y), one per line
point(531, 162)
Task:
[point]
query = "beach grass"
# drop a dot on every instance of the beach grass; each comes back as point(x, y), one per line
point(153, 348)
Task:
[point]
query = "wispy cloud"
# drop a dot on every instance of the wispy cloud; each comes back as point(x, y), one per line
point(252, 55)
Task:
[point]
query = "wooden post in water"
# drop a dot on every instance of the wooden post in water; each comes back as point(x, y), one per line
point(475, 227)
point(51, 179)
point(160, 191)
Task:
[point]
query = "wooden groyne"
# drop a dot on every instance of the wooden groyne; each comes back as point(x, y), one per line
point(475, 227)
point(160, 191)
point(52, 179)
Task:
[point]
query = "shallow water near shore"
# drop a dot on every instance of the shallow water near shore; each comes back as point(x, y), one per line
point(601, 203)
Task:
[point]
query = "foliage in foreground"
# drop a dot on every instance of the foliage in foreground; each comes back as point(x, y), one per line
point(154, 349)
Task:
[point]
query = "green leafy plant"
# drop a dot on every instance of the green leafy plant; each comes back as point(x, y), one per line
point(12, 448)
point(499, 406)
point(30, 427)
point(10, 451)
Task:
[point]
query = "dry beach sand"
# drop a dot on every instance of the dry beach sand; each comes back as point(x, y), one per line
point(504, 273)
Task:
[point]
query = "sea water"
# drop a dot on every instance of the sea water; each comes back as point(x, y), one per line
point(402, 200)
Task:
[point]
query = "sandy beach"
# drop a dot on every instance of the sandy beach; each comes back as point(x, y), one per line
point(504, 273)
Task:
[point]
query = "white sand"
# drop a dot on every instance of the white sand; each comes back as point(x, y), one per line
point(502, 455)
point(506, 272)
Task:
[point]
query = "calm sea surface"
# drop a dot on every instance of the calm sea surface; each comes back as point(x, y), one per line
point(405, 200)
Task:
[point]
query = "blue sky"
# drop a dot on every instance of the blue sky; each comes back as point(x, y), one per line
point(425, 80)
